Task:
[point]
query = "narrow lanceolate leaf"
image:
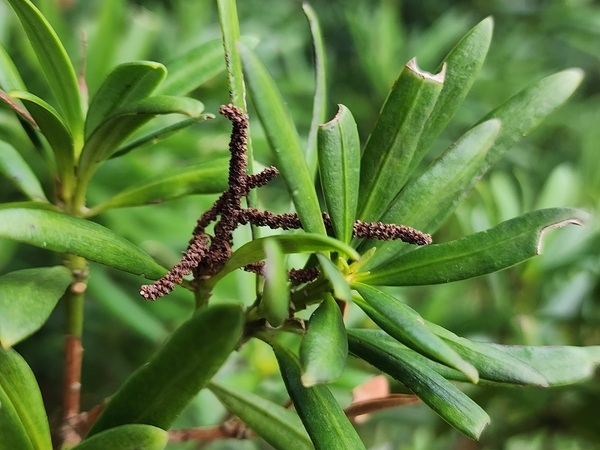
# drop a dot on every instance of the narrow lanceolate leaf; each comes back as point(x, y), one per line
point(326, 423)
point(427, 201)
point(27, 297)
point(207, 178)
point(492, 364)
point(127, 437)
point(404, 324)
point(339, 168)
point(63, 233)
point(524, 111)
point(194, 68)
point(391, 146)
point(320, 96)
point(463, 64)
point(339, 284)
point(324, 347)
point(277, 425)
point(230, 30)
point(55, 64)
point(15, 169)
point(23, 421)
point(55, 131)
point(439, 394)
point(254, 250)
point(284, 141)
point(503, 246)
point(127, 83)
point(275, 302)
point(10, 78)
point(157, 392)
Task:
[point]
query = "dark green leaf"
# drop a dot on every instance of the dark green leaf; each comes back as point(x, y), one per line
point(339, 168)
point(127, 437)
point(326, 423)
point(503, 246)
point(63, 233)
point(23, 421)
point(27, 297)
point(324, 347)
point(157, 392)
point(404, 324)
point(284, 141)
point(275, 302)
point(15, 169)
point(390, 148)
point(439, 394)
point(207, 178)
point(275, 424)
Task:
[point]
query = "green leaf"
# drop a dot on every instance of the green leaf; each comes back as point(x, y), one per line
point(492, 364)
point(503, 246)
point(439, 394)
point(55, 64)
point(463, 64)
point(339, 167)
point(55, 131)
point(194, 68)
point(67, 234)
point(27, 297)
point(284, 141)
point(427, 201)
point(127, 437)
point(230, 30)
point(10, 78)
point(320, 96)
point(14, 167)
point(275, 302)
point(127, 83)
point(254, 251)
point(23, 421)
point(341, 288)
point(404, 324)
point(206, 178)
point(157, 392)
point(324, 347)
point(524, 111)
point(275, 424)
point(326, 423)
point(392, 143)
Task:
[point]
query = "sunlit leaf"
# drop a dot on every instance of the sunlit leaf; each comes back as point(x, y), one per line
point(127, 437)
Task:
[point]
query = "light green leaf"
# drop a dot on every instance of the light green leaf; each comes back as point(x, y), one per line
point(63, 233)
point(27, 297)
point(392, 143)
point(275, 302)
point(254, 251)
point(194, 68)
point(23, 421)
point(324, 346)
point(127, 83)
point(284, 141)
point(503, 246)
point(341, 288)
point(439, 394)
point(326, 423)
point(404, 324)
point(206, 178)
point(157, 392)
point(427, 201)
point(127, 437)
point(10, 78)
point(230, 30)
point(277, 425)
point(55, 64)
point(14, 167)
point(339, 168)
point(463, 64)
point(320, 96)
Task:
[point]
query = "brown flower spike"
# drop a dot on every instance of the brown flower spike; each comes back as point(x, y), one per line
point(206, 255)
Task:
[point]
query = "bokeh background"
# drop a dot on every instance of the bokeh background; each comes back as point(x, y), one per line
point(551, 300)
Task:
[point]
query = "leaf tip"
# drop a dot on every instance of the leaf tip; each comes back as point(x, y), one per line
point(434, 77)
point(579, 219)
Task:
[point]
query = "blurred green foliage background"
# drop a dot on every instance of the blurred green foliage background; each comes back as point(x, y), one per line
point(553, 299)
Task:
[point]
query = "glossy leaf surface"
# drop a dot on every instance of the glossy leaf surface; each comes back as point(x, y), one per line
point(157, 392)
point(127, 437)
point(63, 233)
point(27, 297)
point(275, 302)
